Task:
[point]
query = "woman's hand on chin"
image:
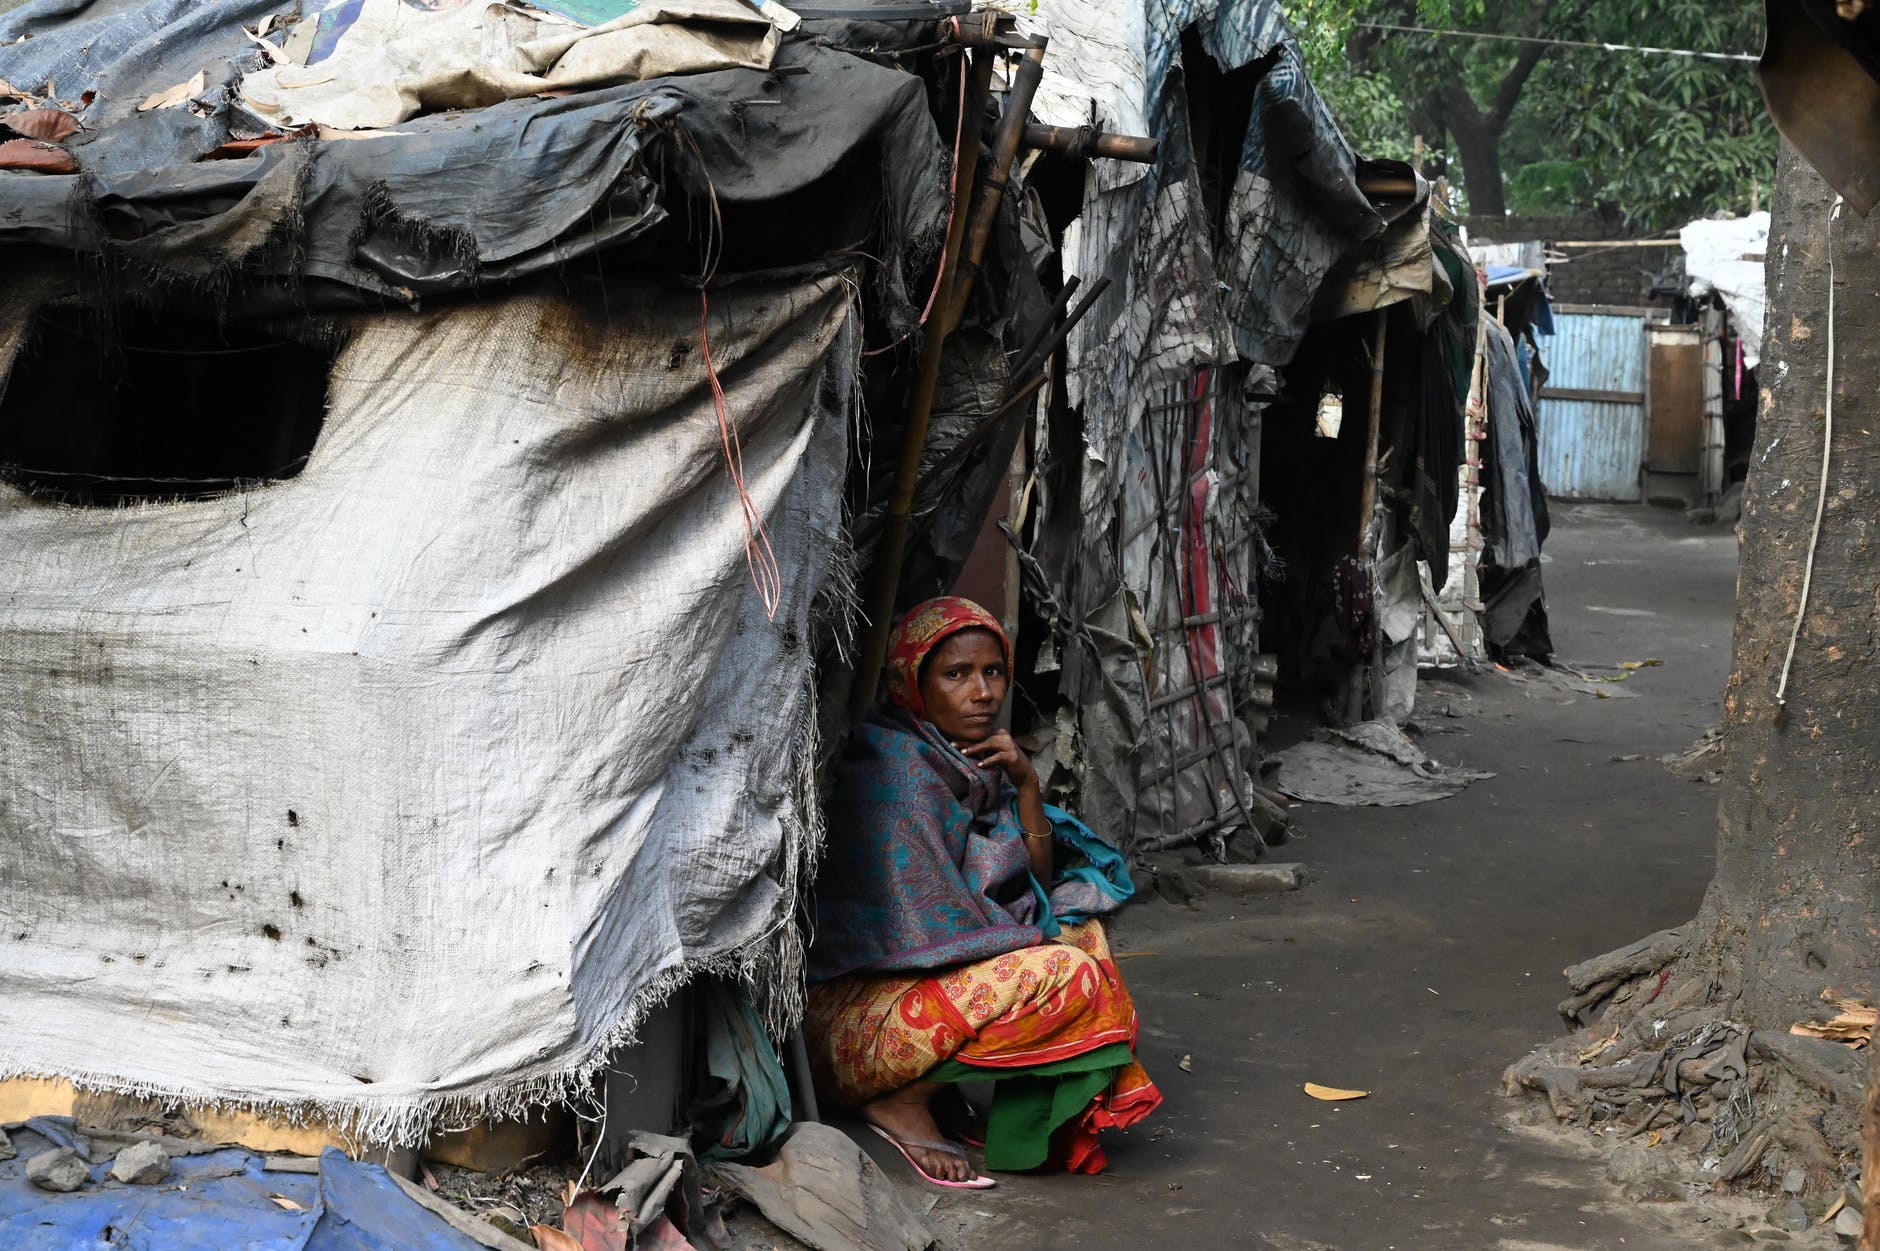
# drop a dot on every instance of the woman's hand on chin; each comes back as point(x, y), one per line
point(998, 749)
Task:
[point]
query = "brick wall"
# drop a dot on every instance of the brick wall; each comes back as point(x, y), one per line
point(1588, 275)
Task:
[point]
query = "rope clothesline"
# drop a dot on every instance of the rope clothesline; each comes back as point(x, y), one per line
point(1559, 43)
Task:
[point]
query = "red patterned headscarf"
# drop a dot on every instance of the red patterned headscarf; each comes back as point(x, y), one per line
point(924, 627)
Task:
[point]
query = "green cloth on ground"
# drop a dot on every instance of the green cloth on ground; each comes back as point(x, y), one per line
point(1030, 1103)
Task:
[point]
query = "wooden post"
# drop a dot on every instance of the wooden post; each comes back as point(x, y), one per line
point(1367, 501)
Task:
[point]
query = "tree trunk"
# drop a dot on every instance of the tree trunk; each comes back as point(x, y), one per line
point(1478, 147)
point(1791, 913)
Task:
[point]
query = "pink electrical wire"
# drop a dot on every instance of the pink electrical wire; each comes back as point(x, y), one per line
point(759, 556)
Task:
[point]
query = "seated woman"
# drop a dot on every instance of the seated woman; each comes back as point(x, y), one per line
point(950, 945)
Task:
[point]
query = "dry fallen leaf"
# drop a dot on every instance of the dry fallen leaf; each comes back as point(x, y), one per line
point(45, 125)
point(1600, 1048)
point(177, 94)
point(1331, 1094)
point(288, 1203)
point(275, 55)
point(548, 1238)
point(1853, 1024)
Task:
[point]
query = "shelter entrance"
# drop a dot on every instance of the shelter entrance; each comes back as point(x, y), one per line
point(117, 405)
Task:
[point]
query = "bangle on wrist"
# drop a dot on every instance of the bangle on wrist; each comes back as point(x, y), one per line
point(1028, 834)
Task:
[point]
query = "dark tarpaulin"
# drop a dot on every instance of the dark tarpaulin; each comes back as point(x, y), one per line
point(1514, 509)
point(453, 201)
point(878, 28)
point(1448, 349)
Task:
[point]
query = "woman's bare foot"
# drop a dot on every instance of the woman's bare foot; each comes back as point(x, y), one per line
point(904, 1114)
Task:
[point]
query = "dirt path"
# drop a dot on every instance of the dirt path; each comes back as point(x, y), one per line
point(1423, 959)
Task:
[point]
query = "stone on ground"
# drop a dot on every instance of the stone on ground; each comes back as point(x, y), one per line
point(59, 1169)
point(141, 1164)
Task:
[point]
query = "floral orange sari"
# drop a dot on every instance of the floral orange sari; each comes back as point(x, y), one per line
point(1027, 1009)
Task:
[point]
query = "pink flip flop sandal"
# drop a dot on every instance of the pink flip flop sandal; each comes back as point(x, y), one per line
point(946, 1148)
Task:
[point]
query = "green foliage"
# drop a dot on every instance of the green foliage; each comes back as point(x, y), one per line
point(1653, 139)
point(1548, 187)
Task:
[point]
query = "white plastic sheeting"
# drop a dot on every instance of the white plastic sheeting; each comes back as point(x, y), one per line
point(1727, 257)
point(408, 785)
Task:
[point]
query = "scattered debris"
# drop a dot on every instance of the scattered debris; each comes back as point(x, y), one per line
point(1561, 676)
point(1371, 763)
point(1249, 879)
point(1332, 1094)
point(1700, 760)
point(824, 1191)
point(1187, 1064)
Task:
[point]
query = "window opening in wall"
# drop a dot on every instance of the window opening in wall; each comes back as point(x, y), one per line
point(119, 406)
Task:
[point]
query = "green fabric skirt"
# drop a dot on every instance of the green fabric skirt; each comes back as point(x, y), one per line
point(1030, 1104)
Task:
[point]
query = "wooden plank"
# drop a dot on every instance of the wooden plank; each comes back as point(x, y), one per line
point(1601, 397)
point(1616, 310)
point(1675, 442)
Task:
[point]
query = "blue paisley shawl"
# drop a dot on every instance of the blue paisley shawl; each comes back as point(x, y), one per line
point(926, 865)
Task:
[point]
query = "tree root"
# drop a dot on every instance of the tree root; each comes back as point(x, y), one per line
point(1663, 1058)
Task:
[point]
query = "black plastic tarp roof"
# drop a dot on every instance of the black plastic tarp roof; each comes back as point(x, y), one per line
point(842, 155)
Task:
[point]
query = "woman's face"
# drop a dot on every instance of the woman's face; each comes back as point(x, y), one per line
point(963, 683)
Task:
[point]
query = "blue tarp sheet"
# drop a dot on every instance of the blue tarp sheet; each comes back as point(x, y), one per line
point(217, 1201)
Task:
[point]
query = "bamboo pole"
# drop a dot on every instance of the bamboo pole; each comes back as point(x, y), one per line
point(966, 247)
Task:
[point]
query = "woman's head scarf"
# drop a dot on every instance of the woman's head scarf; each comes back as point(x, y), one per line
point(925, 627)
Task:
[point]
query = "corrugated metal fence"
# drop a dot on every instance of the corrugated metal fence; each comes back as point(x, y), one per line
point(1592, 410)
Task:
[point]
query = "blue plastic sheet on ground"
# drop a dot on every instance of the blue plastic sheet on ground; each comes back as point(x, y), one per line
point(216, 1201)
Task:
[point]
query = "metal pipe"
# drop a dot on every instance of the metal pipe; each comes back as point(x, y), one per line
point(1051, 319)
point(1054, 339)
point(1088, 142)
point(987, 28)
point(880, 602)
point(991, 193)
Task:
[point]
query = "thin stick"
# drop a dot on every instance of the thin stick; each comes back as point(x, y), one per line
point(1821, 491)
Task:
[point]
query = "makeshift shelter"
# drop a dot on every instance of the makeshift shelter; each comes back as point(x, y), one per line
point(1139, 500)
point(418, 540)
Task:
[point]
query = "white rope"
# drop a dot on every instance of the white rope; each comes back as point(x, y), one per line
point(1821, 491)
point(600, 1140)
point(1561, 43)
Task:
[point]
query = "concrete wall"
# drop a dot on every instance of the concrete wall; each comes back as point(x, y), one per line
point(1588, 275)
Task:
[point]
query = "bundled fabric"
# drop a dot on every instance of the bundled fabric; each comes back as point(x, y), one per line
point(409, 784)
point(391, 61)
